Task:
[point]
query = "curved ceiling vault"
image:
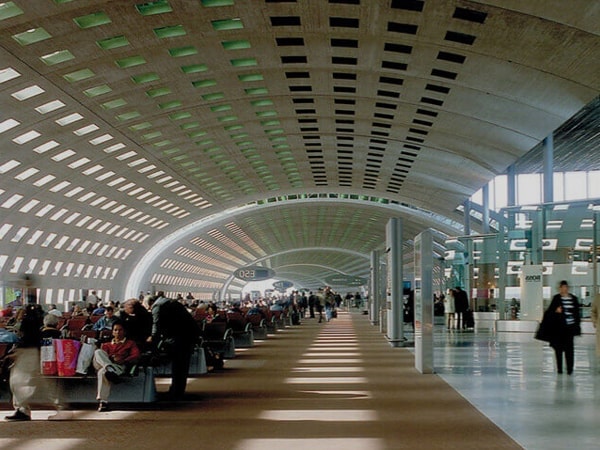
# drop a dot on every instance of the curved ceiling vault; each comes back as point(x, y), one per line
point(122, 122)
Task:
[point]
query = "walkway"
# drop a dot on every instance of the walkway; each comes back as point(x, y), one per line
point(317, 386)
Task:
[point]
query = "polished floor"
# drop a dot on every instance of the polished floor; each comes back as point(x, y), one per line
point(511, 378)
point(336, 385)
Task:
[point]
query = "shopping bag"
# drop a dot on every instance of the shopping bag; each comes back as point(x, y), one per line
point(67, 351)
point(48, 358)
point(86, 353)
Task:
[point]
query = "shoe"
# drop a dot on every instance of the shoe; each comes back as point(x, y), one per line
point(111, 375)
point(103, 407)
point(18, 416)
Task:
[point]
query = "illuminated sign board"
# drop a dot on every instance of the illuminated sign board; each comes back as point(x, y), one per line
point(255, 273)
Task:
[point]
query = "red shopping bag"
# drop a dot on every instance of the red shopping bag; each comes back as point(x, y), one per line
point(67, 351)
point(48, 358)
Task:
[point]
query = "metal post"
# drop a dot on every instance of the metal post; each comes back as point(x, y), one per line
point(548, 194)
point(486, 209)
point(511, 193)
point(467, 218)
point(375, 289)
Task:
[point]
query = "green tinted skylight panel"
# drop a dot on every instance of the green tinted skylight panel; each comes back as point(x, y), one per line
point(227, 24)
point(205, 142)
point(169, 32)
point(257, 91)
point(278, 139)
point(270, 123)
point(244, 62)
point(204, 83)
point(275, 131)
point(266, 113)
point(145, 78)
point(214, 96)
point(60, 2)
point(227, 118)
point(250, 77)
point(263, 102)
point(220, 108)
point(8, 10)
point(92, 20)
point(153, 93)
point(183, 51)
point(128, 116)
point(244, 143)
point(170, 105)
point(57, 57)
point(112, 42)
point(180, 115)
point(79, 75)
point(189, 126)
point(117, 103)
point(279, 146)
point(209, 3)
point(164, 143)
point(194, 68)
point(152, 135)
point(233, 127)
point(31, 36)
point(130, 61)
point(197, 134)
point(140, 126)
point(156, 7)
point(239, 44)
point(238, 135)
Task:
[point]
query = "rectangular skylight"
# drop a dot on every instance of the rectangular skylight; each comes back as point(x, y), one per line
point(29, 206)
point(86, 197)
point(57, 57)
point(27, 173)
point(69, 119)
point(8, 124)
point(127, 155)
point(108, 205)
point(48, 240)
point(45, 210)
point(86, 130)
point(34, 237)
point(73, 192)
point(44, 180)
point(45, 147)
point(116, 181)
point(60, 186)
point(105, 175)
point(63, 155)
point(101, 139)
point(10, 202)
point(28, 92)
point(80, 162)
point(26, 137)
point(50, 106)
point(8, 74)
point(114, 148)
point(5, 228)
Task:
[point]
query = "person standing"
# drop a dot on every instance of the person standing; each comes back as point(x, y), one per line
point(449, 309)
point(565, 307)
point(461, 305)
point(596, 323)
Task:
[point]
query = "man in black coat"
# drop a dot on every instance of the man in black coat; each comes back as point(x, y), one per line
point(566, 322)
point(461, 304)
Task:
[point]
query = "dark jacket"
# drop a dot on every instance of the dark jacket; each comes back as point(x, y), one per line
point(554, 328)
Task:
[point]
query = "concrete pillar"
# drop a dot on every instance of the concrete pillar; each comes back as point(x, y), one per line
point(486, 209)
point(511, 191)
point(548, 194)
point(467, 222)
point(424, 302)
point(395, 301)
point(374, 289)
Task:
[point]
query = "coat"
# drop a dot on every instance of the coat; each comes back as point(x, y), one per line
point(596, 321)
point(553, 327)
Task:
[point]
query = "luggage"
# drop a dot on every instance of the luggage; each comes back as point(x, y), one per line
point(295, 318)
point(468, 319)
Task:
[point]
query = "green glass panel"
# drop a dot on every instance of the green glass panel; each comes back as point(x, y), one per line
point(117, 103)
point(270, 123)
point(98, 90)
point(239, 44)
point(204, 83)
point(233, 127)
point(156, 7)
point(152, 135)
point(250, 77)
point(257, 91)
point(278, 146)
point(217, 3)
point(266, 113)
point(179, 158)
point(128, 116)
point(157, 92)
point(227, 24)
point(244, 143)
point(227, 118)
point(169, 32)
point(8, 10)
point(205, 142)
point(92, 20)
point(170, 105)
point(189, 126)
point(183, 51)
point(238, 135)
point(244, 62)
point(145, 78)
point(164, 144)
point(276, 131)
point(264, 102)
point(131, 61)
point(112, 42)
point(79, 75)
point(60, 2)
point(194, 68)
point(278, 139)
point(31, 36)
point(180, 115)
point(197, 134)
point(188, 164)
point(220, 108)
point(140, 126)
point(213, 96)
point(57, 57)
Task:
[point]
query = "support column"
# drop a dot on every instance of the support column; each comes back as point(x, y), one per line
point(467, 222)
point(486, 209)
point(511, 191)
point(395, 303)
point(548, 194)
point(424, 302)
point(374, 289)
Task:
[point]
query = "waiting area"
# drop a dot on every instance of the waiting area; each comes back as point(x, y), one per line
point(340, 385)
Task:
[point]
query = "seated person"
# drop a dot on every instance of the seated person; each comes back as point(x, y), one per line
point(78, 311)
point(7, 312)
point(107, 320)
point(99, 310)
point(50, 330)
point(54, 311)
point(111, 360)
point(137, 321)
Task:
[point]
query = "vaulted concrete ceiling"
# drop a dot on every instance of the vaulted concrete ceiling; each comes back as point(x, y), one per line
point(142, 140)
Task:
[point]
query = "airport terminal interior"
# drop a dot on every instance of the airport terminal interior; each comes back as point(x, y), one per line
point(235, 151)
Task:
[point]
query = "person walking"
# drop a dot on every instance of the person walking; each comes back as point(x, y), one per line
point(567, 320)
